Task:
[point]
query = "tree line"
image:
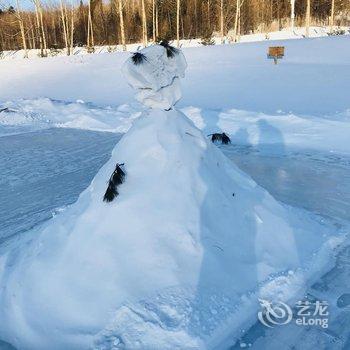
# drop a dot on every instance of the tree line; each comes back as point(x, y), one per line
point(62, 25)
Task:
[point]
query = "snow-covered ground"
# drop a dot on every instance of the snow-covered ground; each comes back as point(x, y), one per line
point(312, 79)
point(289, 125)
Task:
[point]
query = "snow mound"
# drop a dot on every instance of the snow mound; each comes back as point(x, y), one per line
point(176, 261)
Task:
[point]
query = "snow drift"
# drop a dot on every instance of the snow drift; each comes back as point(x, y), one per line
point(31, 115)
point(176, 261)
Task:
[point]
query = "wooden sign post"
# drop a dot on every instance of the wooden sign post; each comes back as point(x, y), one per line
point(275, 53)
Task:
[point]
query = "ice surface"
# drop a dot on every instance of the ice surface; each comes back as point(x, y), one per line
point(64, 160)
point(314, 180)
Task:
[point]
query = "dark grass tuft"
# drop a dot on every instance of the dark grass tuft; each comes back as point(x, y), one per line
point(138, 58)
point(223, 138)
point(7, 110)
point(111, 192)
point(116, 179)
point(171, 51)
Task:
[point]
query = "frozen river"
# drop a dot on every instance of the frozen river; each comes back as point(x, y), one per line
point(43, 171)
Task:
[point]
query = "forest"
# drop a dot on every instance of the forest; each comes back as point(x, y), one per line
point(63, 25)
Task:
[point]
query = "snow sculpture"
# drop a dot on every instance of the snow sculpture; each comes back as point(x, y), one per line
point(155, 73)
point(177, 262)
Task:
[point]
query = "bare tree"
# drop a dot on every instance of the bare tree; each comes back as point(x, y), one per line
point(208, 13)
point(235, 28)
point(21, 26)
point(121, 23)
point(308, 15)
point(157, 20)
point(72, 31)
point(90, 30)
point(222, 21)
point(40, 28)
point(95, 22)
point(292, 14)
point(65, 26)
point(178, 23)
point(154, 20)
point(332, 16)
point(144, 24)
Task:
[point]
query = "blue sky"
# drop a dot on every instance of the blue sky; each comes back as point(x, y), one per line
point(24, 3)
point(27, 4)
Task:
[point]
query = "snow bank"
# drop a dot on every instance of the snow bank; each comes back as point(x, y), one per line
point(177, 260)
point(328, 134)
point(288, 33)
point(30, 115)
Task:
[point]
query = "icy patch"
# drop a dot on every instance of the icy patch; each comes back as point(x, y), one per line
point(316, 181)
point(29, 115)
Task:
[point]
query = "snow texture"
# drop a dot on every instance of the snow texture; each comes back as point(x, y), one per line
point(312, 80)
point(328, 134)
point(156, 77)
point(43, 113)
